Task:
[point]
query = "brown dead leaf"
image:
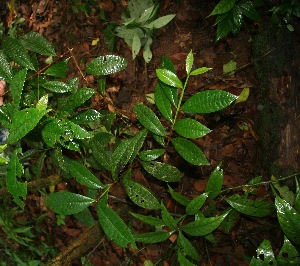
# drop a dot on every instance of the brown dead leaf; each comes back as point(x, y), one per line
point(107, 5)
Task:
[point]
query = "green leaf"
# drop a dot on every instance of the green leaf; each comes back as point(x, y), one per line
point(149, 219)
point(153, 237)
point(189, 151)
point(229, 67)
point(182, 200)
point(100, 150)
point(75, 100)
point(15, 50)
point(289, 219)
point(254, 208)
point(166, 63)
point(288, 254)
point(147, 54)
point(149, 120)
point(204, 226)
point(169, 78)
point(16, 87)
point(23, 122)
point(160, 140)
point(200, 71)
point(73, 131)
point(248, 10)
point(168, 218)
point(222, 7)
point(58, 70)
point(151, 155)
point(297, 196)
point(170, 92)
point(265, 255)
point(136, 45)
point(163, 171)
point(162, 102)
point(86, 117)
point(82, 174)
point(66, 203)
point(183, 260)
point(127, 151)
point(5, 72)
point(187, 248)
point(196, 204)
point(52, 131)
point(284, 191)
point(37, 43)
point(85, 217)
point(105, 65)
point(208, 101)
point(16, 188)
point(140, 195)
point(160, 22)
point(113, 226)
point(42, 103)
point(190, 128)
point(214, 184)
point(189, 61)
point(57, 86)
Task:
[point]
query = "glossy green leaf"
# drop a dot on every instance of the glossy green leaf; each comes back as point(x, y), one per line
point(14, 187)
point(204, 226)
point(16, 87)
point(100, 151)
point(160, 22)
point(37, 43)
point(208, 101)
point(149, 219)
point(166, 63)
point(52, 131)
point(66, 203)
point(75, 100)
point(162, 102)
point(149, 119)
point(163, 171)
point(5, 72)
point(265, 255)
point(153, 237)
point(113, 226)
point(190, 128)
point(229, 222)
point(189, 61)
point(297, 196)
point(82, 174)
point(56, 86)
point(200, 71)
point(105, 65)
point(183, 260)
point(86, 117)
point(254, 208)
point(160, 140)
point(196, 204)
point(168, 218)
point(23, 122)
point(169, 78)
point(226, 25)
point(222, 7)
point(288, 254)
point(151, 155)
point(140, 195)
point(58, 70)
point(182, 200)
point(73, 131)
point(170, 92)
point(42, 104)
point(283, 190)
point(289, 219)
point(215, 182)
point(138, 141)
point(189, 151)
point(15, 50)
point(187, 248)
point(248, 10)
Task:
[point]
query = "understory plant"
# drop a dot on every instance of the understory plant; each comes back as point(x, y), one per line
point(139, 24)
point(54, 131)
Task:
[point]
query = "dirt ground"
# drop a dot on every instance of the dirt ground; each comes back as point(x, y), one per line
point(234, 140)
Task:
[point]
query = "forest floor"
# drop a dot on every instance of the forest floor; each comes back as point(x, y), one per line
point(233, 141)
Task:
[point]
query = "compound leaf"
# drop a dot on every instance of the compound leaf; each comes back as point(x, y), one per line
point(208, 101)
point(149, 119)
point(105, 65)
point(140, 195)
point(113, 226)
point(189, 151)
point(162, 171)
point(37, 43)
point(190, 128)
point(288, 219)
point(15, 50)
point(254, 208)
point(66, 203)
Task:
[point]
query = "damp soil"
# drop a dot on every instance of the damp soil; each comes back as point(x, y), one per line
point(251, 138)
